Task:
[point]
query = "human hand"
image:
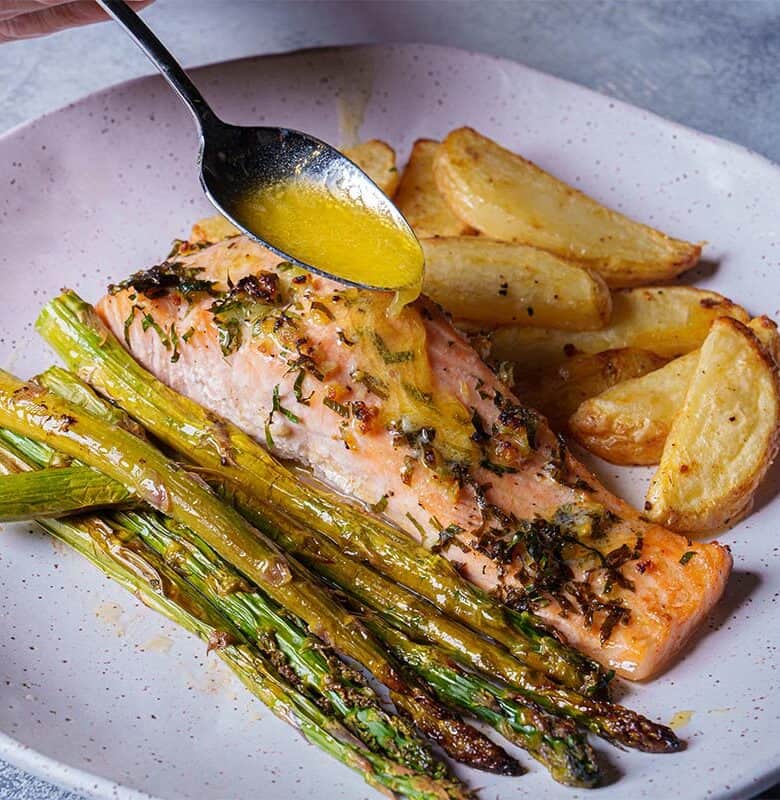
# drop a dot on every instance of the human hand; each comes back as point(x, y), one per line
point(24, 19)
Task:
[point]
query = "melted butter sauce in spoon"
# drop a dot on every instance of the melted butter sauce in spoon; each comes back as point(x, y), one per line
point(339, 234)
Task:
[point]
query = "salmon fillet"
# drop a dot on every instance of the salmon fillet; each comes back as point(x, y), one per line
point(426, 434)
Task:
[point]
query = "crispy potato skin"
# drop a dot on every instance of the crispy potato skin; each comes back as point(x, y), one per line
point(724, 438)
point(629, 422)
point(419, 200)
point(377, 159)
point(507, 197)
point(494, 282)
point(766, 331)
point(667, 320)
point(558, 391)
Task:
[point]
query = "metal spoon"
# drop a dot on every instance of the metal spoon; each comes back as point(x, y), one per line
point(236, 160)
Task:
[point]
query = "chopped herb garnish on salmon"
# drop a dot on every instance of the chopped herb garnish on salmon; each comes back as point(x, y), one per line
point(340, 408)
point(388, 356)
point(285, 412)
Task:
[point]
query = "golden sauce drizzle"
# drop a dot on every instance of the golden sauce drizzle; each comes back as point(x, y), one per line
point(394, 351)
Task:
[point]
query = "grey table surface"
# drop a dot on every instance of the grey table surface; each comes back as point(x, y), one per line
point(710, 64)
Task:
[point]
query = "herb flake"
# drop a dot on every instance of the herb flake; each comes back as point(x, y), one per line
point(342, 409)
point(388, 356)
point(277, 406)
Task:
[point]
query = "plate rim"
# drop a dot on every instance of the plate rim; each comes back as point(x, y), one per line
point(69, 778)
point(299, 51)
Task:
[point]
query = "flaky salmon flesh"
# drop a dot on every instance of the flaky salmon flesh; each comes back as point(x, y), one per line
point(401, 413)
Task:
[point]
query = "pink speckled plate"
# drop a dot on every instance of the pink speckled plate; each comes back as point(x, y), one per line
point(98, 693)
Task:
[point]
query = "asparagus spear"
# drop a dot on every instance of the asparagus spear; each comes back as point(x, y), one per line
point(161, 589)
point(416, 617)
point(29, 409)
point(21, 494)
point(74, 330)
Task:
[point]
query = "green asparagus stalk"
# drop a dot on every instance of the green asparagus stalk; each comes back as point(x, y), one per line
point(81, 394)
point(31, 410)
point(74, 330)
point(42, 454)
point(417, 617)
point(26, 496)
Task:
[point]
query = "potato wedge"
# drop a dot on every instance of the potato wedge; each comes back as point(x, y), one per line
point(493, 283)
point(506, 197)
point(419, 199)
point(212, 229)
point(629, 423)
point(668, 321)
point(377, 159)
point(724, 438)
point(558, 391)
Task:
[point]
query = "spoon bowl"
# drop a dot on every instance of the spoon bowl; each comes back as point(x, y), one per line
point(238, 162)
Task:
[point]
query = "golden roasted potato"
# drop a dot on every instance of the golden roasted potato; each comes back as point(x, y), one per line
point(420, 201)
point(493, 283)
point(724, 438)
point(377, 159)
point(558, 391)
point(668, 321)
point(212, 229)
point(629, 423)
point(504, 196)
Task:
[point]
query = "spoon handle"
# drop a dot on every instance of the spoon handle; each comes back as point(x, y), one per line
point(159, 55)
